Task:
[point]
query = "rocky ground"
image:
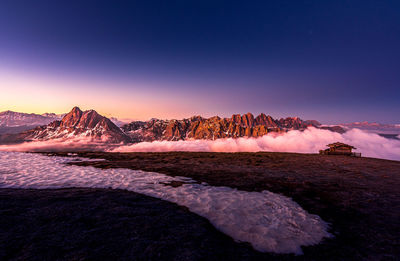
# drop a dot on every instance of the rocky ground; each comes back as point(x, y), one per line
point(105, 224)
point(360, 197)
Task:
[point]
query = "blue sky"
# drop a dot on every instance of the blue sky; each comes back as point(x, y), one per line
point(334, 61)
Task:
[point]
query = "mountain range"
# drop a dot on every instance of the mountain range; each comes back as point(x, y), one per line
point(18, 119)
point(374, 127)
point(212, 128)
point(15, 122)
point(95, 127)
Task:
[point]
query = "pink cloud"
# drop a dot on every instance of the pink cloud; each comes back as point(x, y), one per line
point(308, 141)
point(62, 144)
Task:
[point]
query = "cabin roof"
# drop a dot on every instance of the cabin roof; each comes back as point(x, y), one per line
point(340, 144)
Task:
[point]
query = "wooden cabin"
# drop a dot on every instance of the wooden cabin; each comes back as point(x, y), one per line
point(339, 148)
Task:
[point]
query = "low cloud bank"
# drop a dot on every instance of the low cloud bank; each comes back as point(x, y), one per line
point(71, 144)
point(308, 141)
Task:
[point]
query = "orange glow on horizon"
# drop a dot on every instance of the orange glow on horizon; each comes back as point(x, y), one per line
point(23, 92)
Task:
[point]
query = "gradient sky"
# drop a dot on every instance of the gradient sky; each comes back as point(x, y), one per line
point(333, 61)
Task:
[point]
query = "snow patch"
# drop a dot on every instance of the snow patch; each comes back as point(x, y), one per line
point(268, 221)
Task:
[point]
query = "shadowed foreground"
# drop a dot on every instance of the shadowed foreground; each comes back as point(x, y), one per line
point(105, 224)
point(360, 197)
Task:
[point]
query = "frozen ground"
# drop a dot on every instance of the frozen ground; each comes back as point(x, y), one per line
point(269, 221)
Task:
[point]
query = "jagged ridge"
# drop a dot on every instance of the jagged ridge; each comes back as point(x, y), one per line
point(90, 124)
point(212, 128)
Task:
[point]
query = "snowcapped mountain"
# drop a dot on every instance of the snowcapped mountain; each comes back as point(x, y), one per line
point(16, 122)
point(18, 119)
point(89, 124)
point(118, 122)
point(78, 124)
point(374, 127)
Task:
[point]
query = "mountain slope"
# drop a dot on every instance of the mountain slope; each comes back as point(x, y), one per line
point(16, 119)
point(79, 124)
point(94, 127)
point(15, 122)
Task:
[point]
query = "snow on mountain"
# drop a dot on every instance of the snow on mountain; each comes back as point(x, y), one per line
point(77, 123)
point(18, 119)
point(90, 124)
point(374, 127)
point(118, 122)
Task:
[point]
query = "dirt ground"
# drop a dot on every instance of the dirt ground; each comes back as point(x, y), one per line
point(359, 197)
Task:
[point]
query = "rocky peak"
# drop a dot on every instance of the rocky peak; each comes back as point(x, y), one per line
point(76, 123)
point(236, 118)
point(248, 119)
point(72, 118)
point(312, 123)
point(89, 119)
point(76, 109)
point(265, 120)
point(7, 112)
point(214, 119)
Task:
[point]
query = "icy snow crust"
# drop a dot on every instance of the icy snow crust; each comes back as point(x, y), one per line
point(268, 221)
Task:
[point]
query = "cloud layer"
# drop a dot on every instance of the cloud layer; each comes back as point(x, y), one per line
point(308, 141)
point(61, 144)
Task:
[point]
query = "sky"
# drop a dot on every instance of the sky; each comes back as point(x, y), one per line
point(333, 61)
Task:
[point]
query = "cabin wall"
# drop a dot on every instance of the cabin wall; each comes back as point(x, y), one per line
point(341, 149)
